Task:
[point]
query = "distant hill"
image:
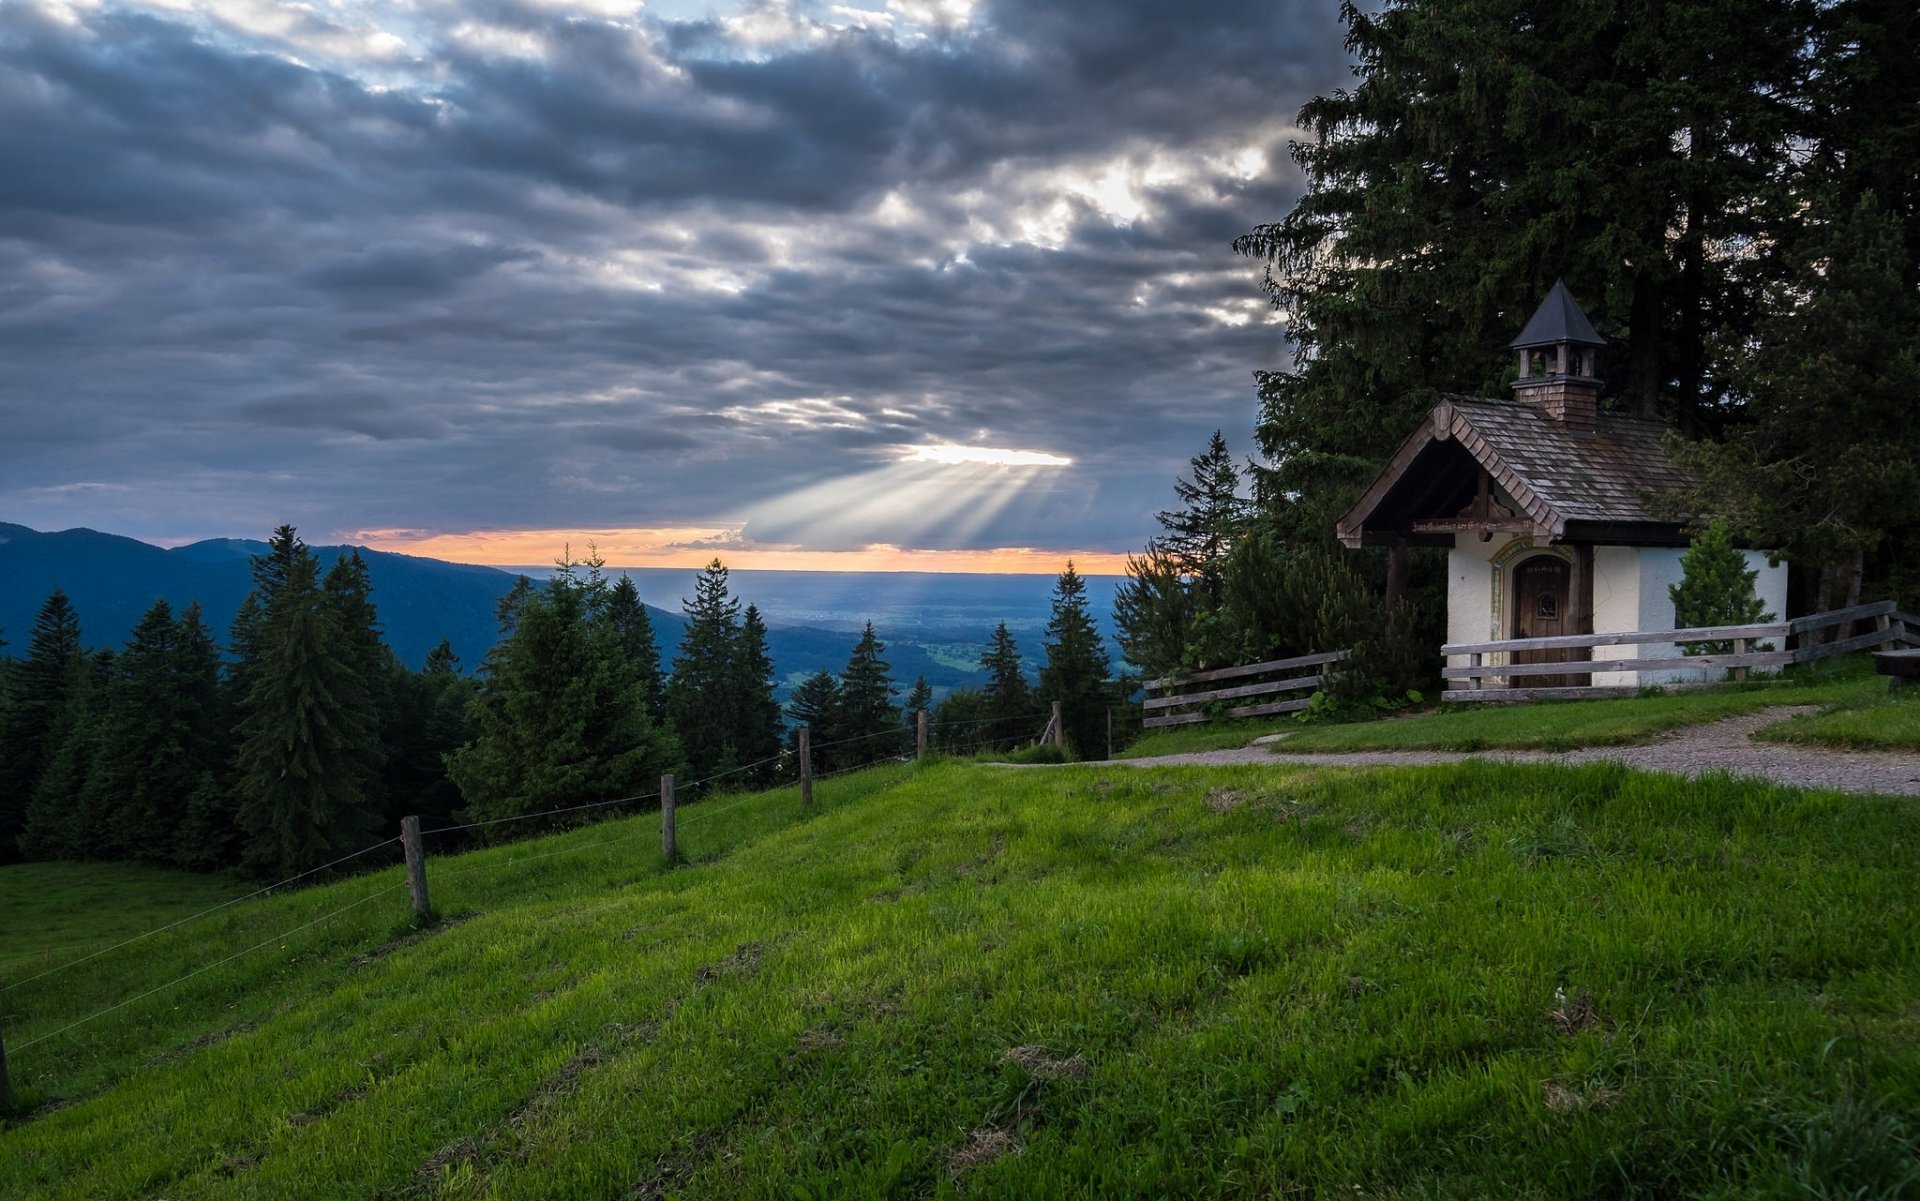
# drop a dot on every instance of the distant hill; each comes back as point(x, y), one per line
point(112, 580)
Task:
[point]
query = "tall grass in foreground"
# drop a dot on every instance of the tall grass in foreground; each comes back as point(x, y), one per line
point(1456, 981)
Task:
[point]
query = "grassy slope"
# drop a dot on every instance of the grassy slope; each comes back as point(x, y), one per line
point(1872, 721)
point(1239, 981)
point(1547, 726)
point(56, 912)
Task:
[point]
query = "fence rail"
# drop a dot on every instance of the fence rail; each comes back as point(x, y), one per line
point(1168, 705)
point(1488, 661)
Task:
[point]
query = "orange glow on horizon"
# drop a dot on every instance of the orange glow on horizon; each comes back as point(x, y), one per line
point(697, 546)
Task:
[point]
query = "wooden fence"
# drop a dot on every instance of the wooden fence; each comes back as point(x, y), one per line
point(1495, 660)
point(1168, 704)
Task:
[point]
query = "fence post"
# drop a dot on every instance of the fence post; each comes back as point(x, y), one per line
point(668, 847)
point(1477, 660)
point(806, 767)
point(416, 865)
point(1739, 648)
point(1109, 731)
point(1059, 735)
point(920, 736)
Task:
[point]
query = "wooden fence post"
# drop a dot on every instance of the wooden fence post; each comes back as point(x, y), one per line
point(668, 848)
point(1109, 731)
point(920, 736)
point(806, 767)
point(1739, 648)
point(1059, 735)
point(416, 865)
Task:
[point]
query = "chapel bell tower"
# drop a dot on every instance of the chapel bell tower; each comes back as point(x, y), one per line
point(1557, 351)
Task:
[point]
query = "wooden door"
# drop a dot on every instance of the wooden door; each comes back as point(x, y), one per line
point(1542, 588)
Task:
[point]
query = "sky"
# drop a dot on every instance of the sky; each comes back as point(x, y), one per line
point(891, 284)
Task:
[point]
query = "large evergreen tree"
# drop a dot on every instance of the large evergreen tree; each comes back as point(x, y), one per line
point(305, 725)
point(1824, 461)
point(1077, 669)
point(757, 713)
point(815, 704)
point(631, 640)
point(866, 710)
point(1488, 150)
point(701, 692)
point(1006, 701)
point(559, 722)
point(35, 703)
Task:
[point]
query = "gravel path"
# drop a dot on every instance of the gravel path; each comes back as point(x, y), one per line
point(1725, 745)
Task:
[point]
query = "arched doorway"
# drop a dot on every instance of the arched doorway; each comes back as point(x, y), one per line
point(1542, 596)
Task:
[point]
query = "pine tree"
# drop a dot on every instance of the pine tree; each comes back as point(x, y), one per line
point(434, 726)
point(866, 710)
point(347, 596)
point(36, 701)
point(919, 700)
point(1077, 669)
point(207, 836)
point(631, 631)
point(1154, 612)
point(1488, 150)
point(958, 722)
point(1006, 702)
point(58, 823)
point(1201, 533)
point(816, 705)
point(700, 693)
point(757, 720)
point(1715, 588)
point(306, 721)
point(558, 723)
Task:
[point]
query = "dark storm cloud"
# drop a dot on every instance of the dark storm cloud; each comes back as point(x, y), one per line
point(541, 268)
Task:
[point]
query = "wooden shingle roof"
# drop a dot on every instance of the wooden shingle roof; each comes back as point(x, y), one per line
point(1557, 477)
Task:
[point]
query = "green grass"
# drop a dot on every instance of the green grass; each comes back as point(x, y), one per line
point(1207, 736)
point(1874, 720)
point(1550, 725)
point(1462, 981)
point(56, 912)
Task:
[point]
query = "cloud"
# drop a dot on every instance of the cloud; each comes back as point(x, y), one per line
point(489, 264)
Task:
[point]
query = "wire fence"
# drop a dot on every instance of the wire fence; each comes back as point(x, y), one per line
point(450, 873)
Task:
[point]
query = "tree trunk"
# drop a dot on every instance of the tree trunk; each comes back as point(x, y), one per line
point(1643, 346)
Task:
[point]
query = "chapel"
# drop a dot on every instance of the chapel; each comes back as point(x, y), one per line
point(1541, 500)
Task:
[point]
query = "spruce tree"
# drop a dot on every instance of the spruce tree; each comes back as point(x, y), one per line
point(207, 836)
point(1715, 588)
point(1154, 612)
point(1200, 534)
point(301, 766)
point(866, 709)
point(557, 723)
point(757, 713)
point(700, 693)
point(816, 705)
point(1006, 701)
point(347, 596)
point(58, 823)
point(1077, 668)
point(919, 700)
point(959, 721)
point(630, 631)
point(35, 703)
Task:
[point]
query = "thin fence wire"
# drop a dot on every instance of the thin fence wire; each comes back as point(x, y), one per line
point(203, 913)
point(522, 817)
point(209, 967)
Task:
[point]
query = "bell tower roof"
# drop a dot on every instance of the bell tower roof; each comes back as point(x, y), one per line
point(1557, 320)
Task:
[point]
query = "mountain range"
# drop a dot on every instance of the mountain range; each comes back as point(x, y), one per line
point(934, 626)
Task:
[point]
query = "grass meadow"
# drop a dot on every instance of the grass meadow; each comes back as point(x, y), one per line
point(1553, 725)
point(960, 980)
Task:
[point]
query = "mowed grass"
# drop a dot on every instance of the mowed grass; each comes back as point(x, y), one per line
point(1460, 981)
point(56, 912)
point(1546, 725)
point(1876, 720)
